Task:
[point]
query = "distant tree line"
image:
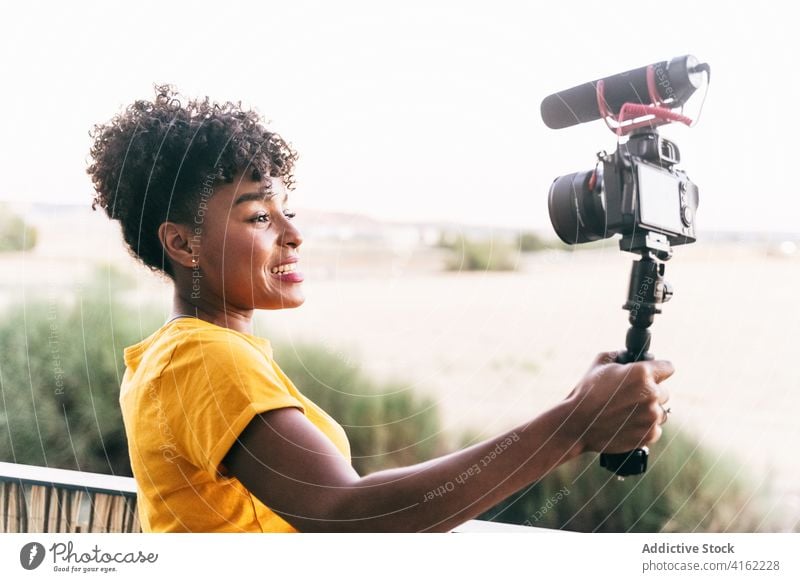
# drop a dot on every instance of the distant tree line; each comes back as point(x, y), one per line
point(15, 235)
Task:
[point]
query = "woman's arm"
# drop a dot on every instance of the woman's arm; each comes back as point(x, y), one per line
point(287, 463)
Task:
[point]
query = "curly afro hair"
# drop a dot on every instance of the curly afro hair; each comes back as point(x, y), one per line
point(152, 162)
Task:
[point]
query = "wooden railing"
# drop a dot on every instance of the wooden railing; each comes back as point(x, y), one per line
point(40, 499)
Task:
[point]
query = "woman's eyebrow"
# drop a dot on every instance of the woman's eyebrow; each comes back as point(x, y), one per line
point(265, 195)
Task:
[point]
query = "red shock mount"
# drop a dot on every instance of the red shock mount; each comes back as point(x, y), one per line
point(635, 115)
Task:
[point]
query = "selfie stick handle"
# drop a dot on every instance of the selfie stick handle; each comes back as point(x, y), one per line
point(646, 291)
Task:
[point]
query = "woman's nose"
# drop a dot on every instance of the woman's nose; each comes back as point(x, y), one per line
point(291, 236)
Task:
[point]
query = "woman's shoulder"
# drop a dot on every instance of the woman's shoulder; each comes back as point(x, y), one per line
point(190, 342)
point(196, 338)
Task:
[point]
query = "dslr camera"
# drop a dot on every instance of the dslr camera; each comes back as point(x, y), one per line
point(636, 191)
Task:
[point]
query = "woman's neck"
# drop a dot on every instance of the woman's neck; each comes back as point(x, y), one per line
point(235, 319)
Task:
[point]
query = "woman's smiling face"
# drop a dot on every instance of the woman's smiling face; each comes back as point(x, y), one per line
point(248, 249)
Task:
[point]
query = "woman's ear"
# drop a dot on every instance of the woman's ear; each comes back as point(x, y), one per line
point(180, 244)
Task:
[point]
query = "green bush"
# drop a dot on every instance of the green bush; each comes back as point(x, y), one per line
point(529, 242)
point(478, 255)
point(686, 488)
point(388, 426)
point(15, 235)
point(60, 374)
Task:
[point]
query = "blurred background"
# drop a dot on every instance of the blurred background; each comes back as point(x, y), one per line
point(440, 308)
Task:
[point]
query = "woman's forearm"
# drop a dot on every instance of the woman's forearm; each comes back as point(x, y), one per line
point(296, 471)
point(440, 494)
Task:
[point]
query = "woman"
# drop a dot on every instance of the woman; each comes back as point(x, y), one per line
point(220, 439)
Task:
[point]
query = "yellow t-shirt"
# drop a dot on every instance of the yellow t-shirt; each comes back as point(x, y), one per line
point(188, 392)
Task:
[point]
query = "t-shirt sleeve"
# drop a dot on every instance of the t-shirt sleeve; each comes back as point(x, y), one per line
point(216, 386)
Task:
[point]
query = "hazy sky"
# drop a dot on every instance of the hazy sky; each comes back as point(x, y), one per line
point(410, 110)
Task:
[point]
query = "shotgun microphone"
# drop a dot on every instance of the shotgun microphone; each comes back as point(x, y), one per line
point(674, 81)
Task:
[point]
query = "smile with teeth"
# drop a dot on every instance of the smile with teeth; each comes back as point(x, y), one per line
point(287, 268)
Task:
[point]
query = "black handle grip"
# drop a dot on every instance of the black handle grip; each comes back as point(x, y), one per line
point(633, 462)
point(625, 464)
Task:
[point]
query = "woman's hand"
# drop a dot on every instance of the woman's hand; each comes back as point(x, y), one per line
point(618, 407)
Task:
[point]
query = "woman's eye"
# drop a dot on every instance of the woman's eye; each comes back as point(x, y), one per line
point(264, 218)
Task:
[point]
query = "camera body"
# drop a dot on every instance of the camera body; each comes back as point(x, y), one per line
point(637, 192)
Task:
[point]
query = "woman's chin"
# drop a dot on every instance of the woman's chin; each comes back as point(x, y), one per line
point(285, 302)
point(296, 303)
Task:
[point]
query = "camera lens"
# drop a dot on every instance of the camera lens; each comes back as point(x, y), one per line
point(577, 211)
